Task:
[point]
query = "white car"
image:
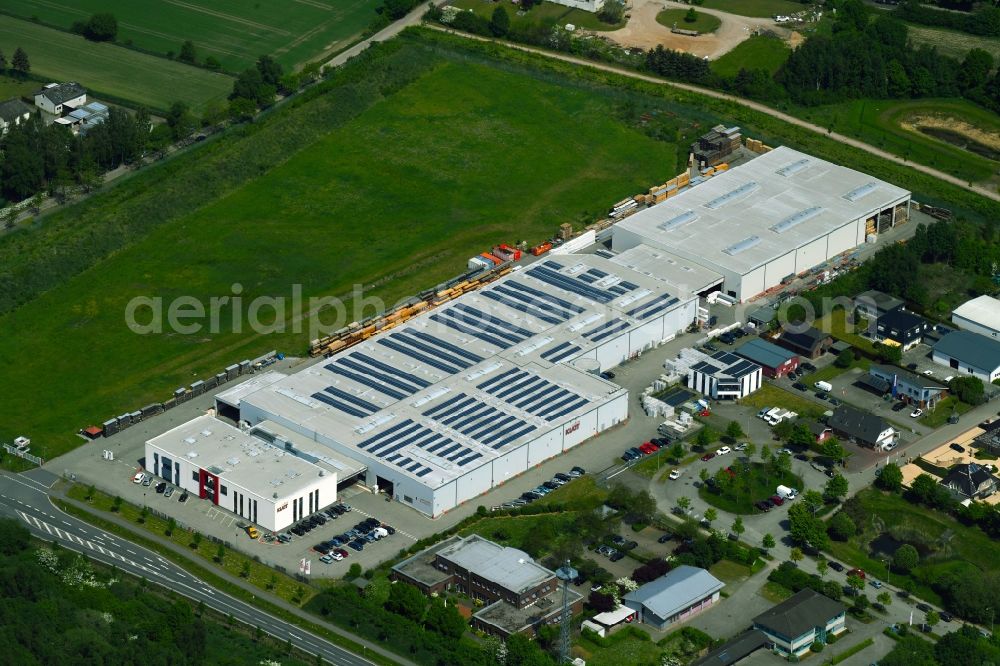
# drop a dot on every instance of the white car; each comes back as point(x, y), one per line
point(337, 557)
point(928, 372)
point(138, 478)
point(890, 446)
point(916, 413)
point(742, 446)
point(674, 475)
point(785, 450)
point(723, 451)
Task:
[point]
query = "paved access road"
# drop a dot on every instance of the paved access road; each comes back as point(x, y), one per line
point(25, 497)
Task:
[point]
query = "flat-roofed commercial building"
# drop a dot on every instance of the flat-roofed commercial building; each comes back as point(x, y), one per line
point(778, 215)
point(263, 483)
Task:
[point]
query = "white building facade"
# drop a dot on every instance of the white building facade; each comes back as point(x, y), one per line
point(980, 315)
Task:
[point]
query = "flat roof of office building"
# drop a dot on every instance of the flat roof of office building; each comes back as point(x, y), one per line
point(238, 457)
point(462, 384)
point(761, 210)
point(323, 456)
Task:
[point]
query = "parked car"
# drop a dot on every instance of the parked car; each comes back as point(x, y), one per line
point(183, 498)
point(923, 608)
point(860, 573)
point(563, 477)
point(946, 616)
point(899, 406)
point(954, 446)
point(616, 539)
point(742, 446)
point(835, 565)
point(326, 559)
point(616, 556)
point(777, 500)
point(725, 450)
point(822, 395)
point(629, 545)
point(322, 548)
point(608, 375)
point(877, 584)
point(916, 413)
point(161, 486)
point(708, 456)
point(139, 477)
point(357, 545)
point(578, 470)
point(284, 537)
point(550, 485)
point(762, 506)
point(665, 537)
point(675, 474)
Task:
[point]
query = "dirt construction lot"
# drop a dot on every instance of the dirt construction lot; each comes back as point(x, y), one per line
point(643, 31)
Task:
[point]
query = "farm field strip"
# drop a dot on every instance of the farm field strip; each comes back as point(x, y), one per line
point(106, 68)
point(952, 42)
point(233, 31)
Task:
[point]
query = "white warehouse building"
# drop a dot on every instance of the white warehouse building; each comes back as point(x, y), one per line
point(467, 396)
point(235, 470)
point(776, 216)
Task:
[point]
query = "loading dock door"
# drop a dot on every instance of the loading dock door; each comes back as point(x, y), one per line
point(385, 486)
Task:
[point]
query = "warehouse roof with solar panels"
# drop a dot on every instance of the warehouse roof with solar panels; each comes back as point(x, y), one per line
point(465, 383)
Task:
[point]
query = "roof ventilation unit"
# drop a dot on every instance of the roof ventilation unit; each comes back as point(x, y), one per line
point(793, 168)
point(742, 246)
point(859, 193)
point(678, 221)
point(798, 218)
point(734, 195)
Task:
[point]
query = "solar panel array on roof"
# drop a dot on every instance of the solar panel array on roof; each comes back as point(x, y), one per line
point(571, 284)
point(653, 307)
point(436, 356)
point(533, 394)
point(479, 421)
point(606, 329)
point(559, 352)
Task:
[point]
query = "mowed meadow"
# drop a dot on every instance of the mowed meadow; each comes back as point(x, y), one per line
point(235, 32)
point(112, 71)
point(464, 154)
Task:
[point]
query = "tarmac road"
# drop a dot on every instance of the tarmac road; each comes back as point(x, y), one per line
point(26, 499)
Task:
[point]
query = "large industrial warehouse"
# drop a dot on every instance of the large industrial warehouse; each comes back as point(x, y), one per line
point(467, 396)
point(777, 216)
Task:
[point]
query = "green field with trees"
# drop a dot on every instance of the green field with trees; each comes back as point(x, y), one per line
point(394, 170)
point(59, 607)
point(109, 71)
point(755, 8)
point(230, 32)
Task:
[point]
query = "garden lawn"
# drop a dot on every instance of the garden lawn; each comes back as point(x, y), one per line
point(110, 71)
point(11, 87)
point(880, 123)
point(623, 647)
point(739, 495)
point(703, 23)
point(769, 395)
point(939, 415)
point(755, 8)
point(589, 21)
point(520, 531)
point(759, 52)
point(234, 32)
point(832, 371)
point(579, 494)
point(965, 545)
point(465, 156)
point(835, 323)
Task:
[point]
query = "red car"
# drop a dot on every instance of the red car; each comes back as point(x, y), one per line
point(708, 456)
point(860, 573)
point(648, 448)
point(777, 499)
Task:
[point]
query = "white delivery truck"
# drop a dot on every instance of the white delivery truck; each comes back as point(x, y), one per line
point(786, 493)
point(824, 386)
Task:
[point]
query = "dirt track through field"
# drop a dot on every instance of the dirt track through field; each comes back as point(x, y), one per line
point(756, 106)
point(643, 31)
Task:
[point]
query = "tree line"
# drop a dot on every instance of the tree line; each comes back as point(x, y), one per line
point(983, 21)
point(19, 66)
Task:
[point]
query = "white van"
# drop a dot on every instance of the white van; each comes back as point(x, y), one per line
point(786, 493)
point(824, 386)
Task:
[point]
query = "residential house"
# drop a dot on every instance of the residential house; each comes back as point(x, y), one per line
point(796, 623)
point(970, 481)
point(60, 98)
point(873, 304)
point(13, 112)
point(900, 328)
point(861, 427)
point(520, 594)
point(683, 592)
point(81, 120)
point(969, 353)
point(725, 376)
point(735, 649)
point(980, 315)
point(810, 343)
point(919, 390)
point(820, 431)
point(774, 361)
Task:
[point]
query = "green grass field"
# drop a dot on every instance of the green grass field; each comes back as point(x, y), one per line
point(105, 68)
point(770, 395)
point(704, 23)
point(466, 156)
point(739, 496)
point(755, 8)
point(755, 53)
point(879, 122)
point(235, 32)
point(11, 87)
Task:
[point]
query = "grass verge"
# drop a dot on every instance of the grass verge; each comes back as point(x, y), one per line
point(847, 654)
point(216, 581)
point(677, 18)
point(770, 395)
point(758, 52)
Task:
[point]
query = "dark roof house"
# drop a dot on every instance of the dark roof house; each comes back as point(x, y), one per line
point(860, 426)
point(970, 481)
point(61, 92)
point(804, 618)
point(873, 303)
point(917, 389)
point(776, 361)
point(810, 342)
point(902, 327)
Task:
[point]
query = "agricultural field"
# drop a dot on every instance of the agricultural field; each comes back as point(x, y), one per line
point(755, 8)
point(233, 31)
point(110, 70)
point(402, 189)
point(952, 42)
point(704, 23)
point(11, 87)
point(953, 135)
point(759, 52)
